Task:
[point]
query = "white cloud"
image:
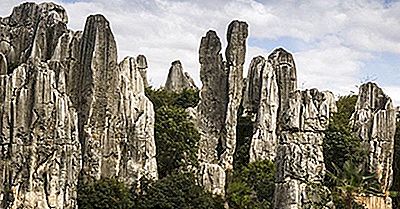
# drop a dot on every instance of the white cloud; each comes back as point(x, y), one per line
point(340, 35)
point(393, 92)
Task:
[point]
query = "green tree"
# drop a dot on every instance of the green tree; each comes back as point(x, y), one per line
point(175, 135)
point(177, 190)
point(252, 186)
point(105, 193)
point(340, 143)
point(176, 140)
point(349, 181)
point(161, 97)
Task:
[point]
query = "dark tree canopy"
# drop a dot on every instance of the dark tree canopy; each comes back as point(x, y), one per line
point(104, 193)
point(178, 190)
point(252, 186)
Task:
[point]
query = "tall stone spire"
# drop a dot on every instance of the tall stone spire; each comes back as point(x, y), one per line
point(374, 120)
point(220, 99)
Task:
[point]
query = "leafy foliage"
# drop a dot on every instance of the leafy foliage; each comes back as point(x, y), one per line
point(350, 180)
point(104, 193)
point(176, 140)
point(253, 186)
point(161, 97)
point(178, 190)
point(340, 143)
point(175, 135)
point(396, 168)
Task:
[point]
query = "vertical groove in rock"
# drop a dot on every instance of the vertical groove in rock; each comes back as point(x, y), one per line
point(63, 97)
point(269, 84)
point(220, 98)
point(39, 141)
point(299, 159)
point(374, 120)
point(116, 119)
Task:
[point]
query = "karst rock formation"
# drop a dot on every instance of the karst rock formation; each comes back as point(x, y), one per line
point(68, 110)
point(177, 80)
point(374, 120)
point(220, 98)
point(141, 64)
point(70, 113)
point(299, 158)
point(288, 128)
point(269, 84)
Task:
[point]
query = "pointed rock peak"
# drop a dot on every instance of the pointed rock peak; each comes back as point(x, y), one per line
point(236, 37)
point(98, 34)
point(282, 56)
point(141, 61)
point(252, 91)
point(372, 97)
point(97, 18)
point(176, 63)
point(257, 60)
point(29, 13)
point(177, 80)
point(210, 46)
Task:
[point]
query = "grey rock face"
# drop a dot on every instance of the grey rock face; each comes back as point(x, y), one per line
point(269, 84)
point(67, 108)
point(40, 157)
point(265, 138)
point(252, 93)
point(178, 81)
point(138, 148)
point(299, 160)
point(115, 118)
point(141, 63)
point(288, 129)
point(374, 120)
point(220, 98)
point(31, 31)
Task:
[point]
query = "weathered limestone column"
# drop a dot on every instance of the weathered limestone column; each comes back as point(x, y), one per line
point(374, 120)
point(40, 157)
point(141, 63)
point(67, 108)
point(116, 120)
point(300, 163)
point(220, 98)
point(269, 84)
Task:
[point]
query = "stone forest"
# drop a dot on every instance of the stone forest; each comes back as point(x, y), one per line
point(80, 130)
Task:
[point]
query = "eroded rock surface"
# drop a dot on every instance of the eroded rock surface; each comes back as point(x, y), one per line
point(374, 120)
point(299, 161)
point(141, 64)
point(177, 80)
point(269, 84)
point(40, 156)
point(67, 109)
point(220, 98)
point(115, 118)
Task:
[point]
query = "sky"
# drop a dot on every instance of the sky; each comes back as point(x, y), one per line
point(337, 45)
